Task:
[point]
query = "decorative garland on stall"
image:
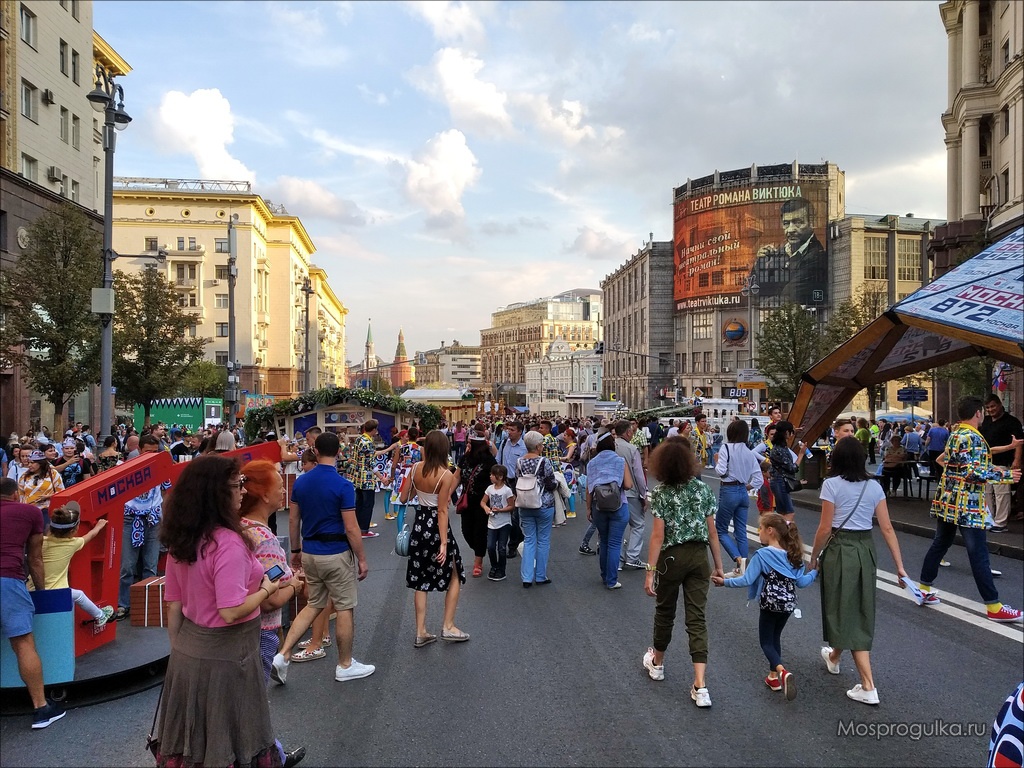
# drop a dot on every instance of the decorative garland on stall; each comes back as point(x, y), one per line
point(259, 420)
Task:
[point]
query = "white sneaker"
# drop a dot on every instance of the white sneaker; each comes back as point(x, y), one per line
point(279, 668)
point(826, 654)
point(700, 696)
point(354, 671)
point(741, 566)
point(655, 671)
point(108, 611)
point(857, 693)
point(616, 585)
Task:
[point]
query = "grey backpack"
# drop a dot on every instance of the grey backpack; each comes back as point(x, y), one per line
point(606, 497)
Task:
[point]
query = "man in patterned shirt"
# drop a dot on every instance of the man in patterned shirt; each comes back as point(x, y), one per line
point(959, 505)
point(640, 441)
point(549, 449)
point(363, 455)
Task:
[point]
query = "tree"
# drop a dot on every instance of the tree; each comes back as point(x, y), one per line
point(381, 383)
point(46, 300)
point(203, 379)
point(788, 344)
point(151, 350)
point(847, 319)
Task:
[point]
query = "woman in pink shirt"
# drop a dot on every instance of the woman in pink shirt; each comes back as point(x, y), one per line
point(213, 708)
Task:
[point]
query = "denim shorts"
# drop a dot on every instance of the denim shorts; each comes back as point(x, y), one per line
point(16, 608)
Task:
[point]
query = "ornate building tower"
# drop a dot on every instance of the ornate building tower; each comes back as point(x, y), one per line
point(401, 369)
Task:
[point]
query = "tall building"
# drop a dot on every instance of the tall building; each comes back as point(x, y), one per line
point(564, 382)
point(884, 259)
point(637, 327)
point(401, 371)
point(327, 313)
point(984, 135)
point(454, 364)
point(763, 226)
point(50, 151)
point(522, 332)
point(186, 221)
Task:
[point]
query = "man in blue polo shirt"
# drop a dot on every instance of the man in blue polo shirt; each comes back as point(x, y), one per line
point(323, 505)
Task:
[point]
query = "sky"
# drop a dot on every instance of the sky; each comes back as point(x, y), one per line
point(450, 158)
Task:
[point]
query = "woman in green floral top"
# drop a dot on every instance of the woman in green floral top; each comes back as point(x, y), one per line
point(682, 531)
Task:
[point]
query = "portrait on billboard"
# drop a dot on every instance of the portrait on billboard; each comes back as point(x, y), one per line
point(796, 269)
point(773, 232)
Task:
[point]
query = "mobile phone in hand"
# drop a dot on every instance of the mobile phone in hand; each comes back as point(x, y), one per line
point(275, 572)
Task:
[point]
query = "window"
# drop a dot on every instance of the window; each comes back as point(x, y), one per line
point(681, 358)
point(151, 244)
point(1004, 115)
point(702, 323)
point(65, 124)
point(64, 189)
point(876, 265)
point(192, 331)
point(188, 300)
point(221, 273)
point(76, 192)
point(74, 66)
point(728, 363)
point(191, 243)
point(28, 26)
point(222, 330)
point(186, 271)
point(1006, 54)
point(76, 131)
point(29, 101)
point(717, 278)
point(703, 280)
point(74, 9)
point(181, 243)
point(220, 301)
point(220, 358)
point(29, 168)
point(64, 62)
point(220, 245)
point(1004, 186)
point(708, 362)
point(908, 260)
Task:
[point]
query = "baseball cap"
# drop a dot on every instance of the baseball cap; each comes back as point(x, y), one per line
point(42, 439)
point(271, 435)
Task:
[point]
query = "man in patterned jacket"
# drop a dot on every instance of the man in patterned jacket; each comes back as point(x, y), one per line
point(959, 505)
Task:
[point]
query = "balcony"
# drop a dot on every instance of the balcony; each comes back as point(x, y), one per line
point(263, 318)
point(185, 283)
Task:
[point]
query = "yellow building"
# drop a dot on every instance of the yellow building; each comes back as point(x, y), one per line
point(522, 332)
point(182, 225)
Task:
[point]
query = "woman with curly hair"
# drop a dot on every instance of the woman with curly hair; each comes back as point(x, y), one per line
point(213, 709)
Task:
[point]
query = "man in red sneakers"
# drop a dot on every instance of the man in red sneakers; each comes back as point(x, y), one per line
point(959, 505)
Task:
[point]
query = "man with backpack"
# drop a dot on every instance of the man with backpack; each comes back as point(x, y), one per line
point(636, 497)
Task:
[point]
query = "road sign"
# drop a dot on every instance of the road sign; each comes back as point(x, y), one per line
point(698, 392)
point(912, 395)
point(750, 378)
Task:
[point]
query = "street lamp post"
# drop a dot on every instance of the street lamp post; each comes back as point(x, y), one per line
point(307, 288)
point(234, 369)
point(751, 289)
point(107, 97)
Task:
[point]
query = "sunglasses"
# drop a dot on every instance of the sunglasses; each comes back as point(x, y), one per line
point(240, 484)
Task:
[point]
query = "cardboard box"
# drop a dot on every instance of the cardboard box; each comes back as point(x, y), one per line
point(147, 603)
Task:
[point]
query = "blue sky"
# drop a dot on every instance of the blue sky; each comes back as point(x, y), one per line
point(450, 158)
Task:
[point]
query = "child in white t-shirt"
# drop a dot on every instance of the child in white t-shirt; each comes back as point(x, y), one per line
point(498, 502)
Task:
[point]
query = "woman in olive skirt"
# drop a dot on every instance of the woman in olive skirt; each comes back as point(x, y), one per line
point(850, 497)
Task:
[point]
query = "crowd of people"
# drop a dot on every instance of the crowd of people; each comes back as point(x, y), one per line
point(510, 483)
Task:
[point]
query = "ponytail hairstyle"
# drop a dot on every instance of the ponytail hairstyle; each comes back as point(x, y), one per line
point(788, 536)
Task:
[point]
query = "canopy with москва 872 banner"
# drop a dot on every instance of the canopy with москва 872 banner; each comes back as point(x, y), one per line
point(975, 309)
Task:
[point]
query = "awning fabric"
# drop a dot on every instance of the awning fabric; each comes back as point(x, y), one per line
point(974, 309)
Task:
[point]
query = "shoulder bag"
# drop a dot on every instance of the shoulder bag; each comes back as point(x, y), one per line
point(842, 524)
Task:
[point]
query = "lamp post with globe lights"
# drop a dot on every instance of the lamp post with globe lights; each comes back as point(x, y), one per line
point(750, 290)
point(107, 97)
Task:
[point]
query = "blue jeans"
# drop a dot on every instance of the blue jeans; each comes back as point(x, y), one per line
point(783, 501)
point(497, 544)
point(976, 544)
point(769, 632)
point(536, 524)
point(733, 505)
point(137, 563)
point(610, 527)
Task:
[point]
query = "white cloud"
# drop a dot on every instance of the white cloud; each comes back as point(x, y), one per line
point(441, 173)
point(306, 36)
point(563, 122)
point(642, 33)
point(598, 246)
point(306, 198)
point(917, 186)
point(373, 97)
point(474, 104)
point(452, 22)
point(201, 124)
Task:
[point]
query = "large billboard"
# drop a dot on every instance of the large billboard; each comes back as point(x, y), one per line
point(773, 230)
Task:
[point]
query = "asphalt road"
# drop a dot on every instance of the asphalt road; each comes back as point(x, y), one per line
point(553, 676)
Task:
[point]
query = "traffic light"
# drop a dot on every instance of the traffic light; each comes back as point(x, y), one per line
point(599, 348)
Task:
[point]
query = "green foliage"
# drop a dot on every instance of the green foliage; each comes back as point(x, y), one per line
point(973, 376)
point(847, 319)
point(789, 342)
point(203, 379)
point(46, 300)
point(662, 412)
point(261, 419)
point(152, 352)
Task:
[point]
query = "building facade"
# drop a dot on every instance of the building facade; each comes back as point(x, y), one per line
point(637, 327)
point(401, 372)
point(327, 352)
point(454, 364)
point(185, 221)
point(763, 226)
point(522, 332)
point(984, 135)
point(564, 382)
point(51, 151)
